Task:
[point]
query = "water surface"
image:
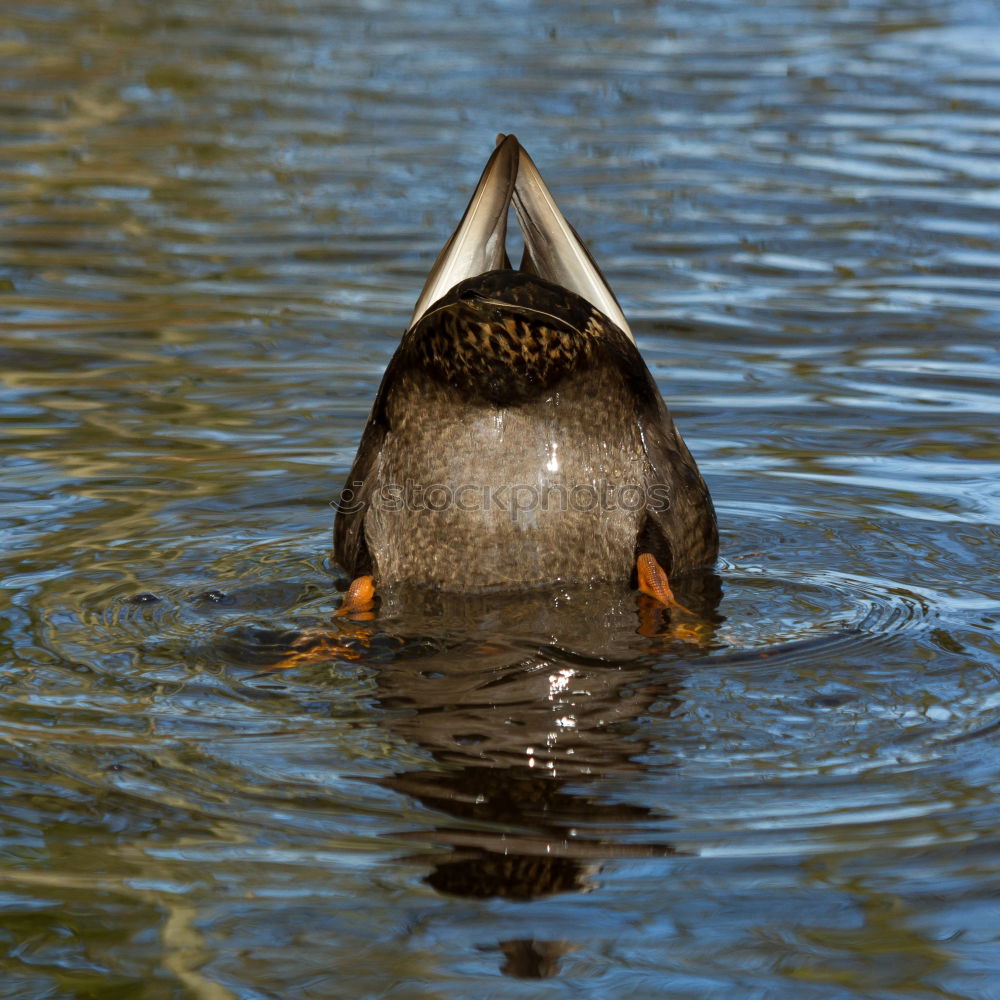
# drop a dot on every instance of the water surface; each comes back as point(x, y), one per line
point(214, 220)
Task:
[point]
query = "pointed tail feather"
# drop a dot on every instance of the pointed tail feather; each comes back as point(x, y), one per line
point(552, 248)
point(478, 244)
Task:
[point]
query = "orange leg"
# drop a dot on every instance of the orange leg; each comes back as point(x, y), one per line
point(655, 598)
point(318, 646)
point(653, 581)
point(359, 601)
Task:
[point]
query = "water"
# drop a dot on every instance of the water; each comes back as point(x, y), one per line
point(215, 219)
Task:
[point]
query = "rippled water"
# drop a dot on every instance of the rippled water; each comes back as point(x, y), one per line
point(214, 220)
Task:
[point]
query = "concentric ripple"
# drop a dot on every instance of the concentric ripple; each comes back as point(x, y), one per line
point(818, 612)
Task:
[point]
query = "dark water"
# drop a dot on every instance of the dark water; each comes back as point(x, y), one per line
point(214, 220)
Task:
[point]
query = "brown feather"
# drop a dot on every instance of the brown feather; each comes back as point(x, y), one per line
point(513, 381)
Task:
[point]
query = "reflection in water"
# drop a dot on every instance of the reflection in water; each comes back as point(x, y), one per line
point(526, 703)
point(527, 959)
point(524, 718)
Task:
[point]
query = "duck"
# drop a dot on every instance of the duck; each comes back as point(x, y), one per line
point(517, 439)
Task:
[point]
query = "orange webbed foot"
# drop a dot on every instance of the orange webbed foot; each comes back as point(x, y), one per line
point(319, 645)
point(655, 598)
point(653, 581)
point(359, 601)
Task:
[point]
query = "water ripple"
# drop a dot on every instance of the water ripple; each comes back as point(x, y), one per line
point(216, 218)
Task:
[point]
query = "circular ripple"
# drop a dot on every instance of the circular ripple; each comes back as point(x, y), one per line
point(799, 616)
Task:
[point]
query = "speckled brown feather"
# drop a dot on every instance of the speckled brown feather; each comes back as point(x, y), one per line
point(505, 375)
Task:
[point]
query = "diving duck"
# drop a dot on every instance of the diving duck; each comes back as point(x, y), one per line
point(517, 438)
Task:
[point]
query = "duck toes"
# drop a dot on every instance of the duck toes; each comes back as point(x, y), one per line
point(517, 438)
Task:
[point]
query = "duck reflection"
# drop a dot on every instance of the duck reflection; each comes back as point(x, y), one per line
point(527, 703)
point(525, 715)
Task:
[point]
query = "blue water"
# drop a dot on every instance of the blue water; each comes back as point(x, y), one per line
point(214, 221)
